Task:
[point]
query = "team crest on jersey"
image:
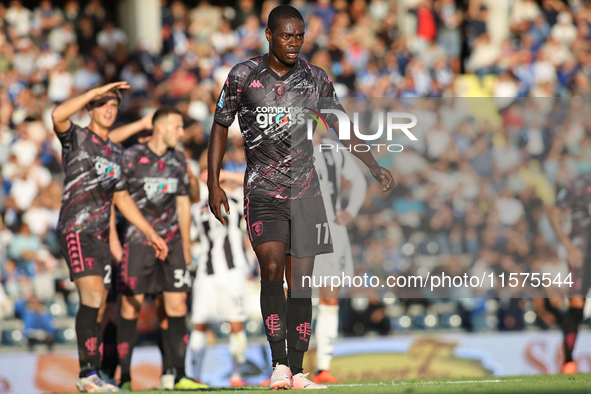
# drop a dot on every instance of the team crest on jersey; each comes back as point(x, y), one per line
point(257, 228)
point(161, 165)
point(280, 90)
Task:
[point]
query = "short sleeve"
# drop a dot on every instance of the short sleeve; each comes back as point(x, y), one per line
point(184, 184)
point(328, 97)
point(126, 167)
point(69, 139)
point(229, 99)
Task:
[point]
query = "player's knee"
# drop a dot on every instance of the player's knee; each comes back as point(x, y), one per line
point(329, 301)
point(129, 312)
point(271, 271)
point(91, 298)
point(177, 309)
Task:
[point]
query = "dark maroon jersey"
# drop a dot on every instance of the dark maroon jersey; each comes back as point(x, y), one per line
point(576, 195)
point(273, 115)
point(92, 168)
point(154, 182)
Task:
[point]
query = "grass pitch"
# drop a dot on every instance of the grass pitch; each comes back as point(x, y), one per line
point(545, 384)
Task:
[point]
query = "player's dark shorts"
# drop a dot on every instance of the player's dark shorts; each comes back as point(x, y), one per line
point(140, 272)
point(87, 255)
point(299, 223)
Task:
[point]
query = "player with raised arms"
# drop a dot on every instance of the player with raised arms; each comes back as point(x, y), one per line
point(92, 167)
point(283, 204)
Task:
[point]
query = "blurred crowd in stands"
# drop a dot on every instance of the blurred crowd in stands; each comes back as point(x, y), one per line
point(471, 192)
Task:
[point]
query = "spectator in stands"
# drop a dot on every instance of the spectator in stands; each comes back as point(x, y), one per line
point(38, 323)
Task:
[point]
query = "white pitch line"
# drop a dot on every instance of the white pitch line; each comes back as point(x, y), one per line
point(430, 382)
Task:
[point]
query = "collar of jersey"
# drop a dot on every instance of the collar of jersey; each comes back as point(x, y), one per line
point(274, 74)
point(154, 153)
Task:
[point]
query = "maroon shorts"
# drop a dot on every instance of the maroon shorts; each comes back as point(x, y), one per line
point(87, 255)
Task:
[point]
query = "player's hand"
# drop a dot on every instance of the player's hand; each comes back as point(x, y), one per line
point(217, 197)
point(188, 257)
point(116, 251)
point(343, 217)
point(158, 243)
point(102, 90)
point(574, 256)
point(383, 176)
point(147, 122)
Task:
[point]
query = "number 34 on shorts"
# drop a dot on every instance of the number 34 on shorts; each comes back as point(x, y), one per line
point(182, 277)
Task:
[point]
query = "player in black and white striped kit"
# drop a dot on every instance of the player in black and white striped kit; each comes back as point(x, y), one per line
point(331, 164)
point(220, 283)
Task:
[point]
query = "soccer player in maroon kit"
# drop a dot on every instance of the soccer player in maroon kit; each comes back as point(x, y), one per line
point(574, 201)
point(283, 204)
point(92, 167)
point(155, 177)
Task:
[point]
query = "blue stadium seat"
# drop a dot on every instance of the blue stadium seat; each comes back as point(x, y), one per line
point(73, 308)
point(12, 337)
point(65, 335)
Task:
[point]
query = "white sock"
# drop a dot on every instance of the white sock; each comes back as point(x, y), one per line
point(237, 346)
point(197, 342)
point(327, 327)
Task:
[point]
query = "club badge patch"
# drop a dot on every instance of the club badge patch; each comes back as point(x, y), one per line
point(257, 228)
point(280, 90)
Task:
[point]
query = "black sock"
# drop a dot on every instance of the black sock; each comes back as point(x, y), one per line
point(274, 311)
point(126, 340)
point(165, 351)
point(99, 341)
point(571, 328)
point(299, 329)
point(86, 335)
point(177, 338)
point(110, 361)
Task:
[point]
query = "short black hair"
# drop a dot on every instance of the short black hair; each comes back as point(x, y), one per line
point(281, 13)
point(163, 112)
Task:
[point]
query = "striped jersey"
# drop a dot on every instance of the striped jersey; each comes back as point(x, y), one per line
point(222, 247)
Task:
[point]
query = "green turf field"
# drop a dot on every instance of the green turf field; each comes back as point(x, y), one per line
point(580, 383)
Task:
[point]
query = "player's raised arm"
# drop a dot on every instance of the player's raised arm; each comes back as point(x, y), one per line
point(381, 174)
point(122, 133)
point(215, 156)
point(61, 114)
point(132, 213)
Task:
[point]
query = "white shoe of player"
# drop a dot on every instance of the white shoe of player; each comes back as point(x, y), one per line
point(167, 382)
point(301, 382)
point(94, 384)
point(281, 378)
